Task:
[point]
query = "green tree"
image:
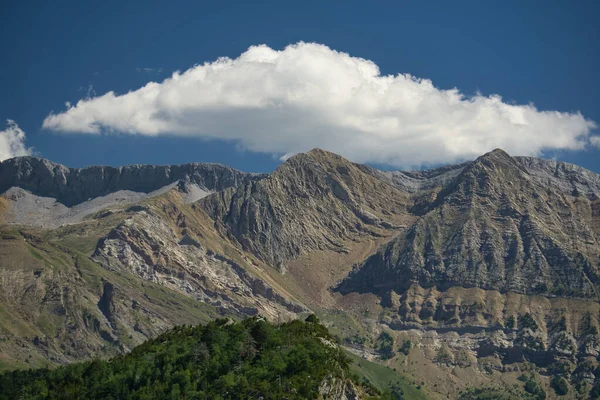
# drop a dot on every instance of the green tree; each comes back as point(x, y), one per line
point(559, 384)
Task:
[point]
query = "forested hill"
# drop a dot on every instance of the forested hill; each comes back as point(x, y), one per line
point(220, 360)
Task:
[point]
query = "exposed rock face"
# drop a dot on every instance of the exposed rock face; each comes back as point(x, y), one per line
point(106, 304)
point(417, 181)
point(340, 389)
point(314, 201)
point(71, 186)
point(501, 268)
point(494, 227)
point(146, 245)
point(496, 259)
point(568, 178)
point(487, 330)
point(59, 307)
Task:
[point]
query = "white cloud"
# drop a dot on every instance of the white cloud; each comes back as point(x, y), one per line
point(595, 141)
point(149, 70)
point(309, 95)
point(12, 142)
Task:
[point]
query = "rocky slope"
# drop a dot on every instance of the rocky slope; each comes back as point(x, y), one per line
point(115, 273)
point(494, 227)
point(314, 201)
point(57, 306)
point(71, 186)
point(490, 267)
point(502, 264)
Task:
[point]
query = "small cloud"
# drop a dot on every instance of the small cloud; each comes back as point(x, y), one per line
point(88, 90)
point(149, 70)
point(12, 142)
point(595, 141)
point(309, 95)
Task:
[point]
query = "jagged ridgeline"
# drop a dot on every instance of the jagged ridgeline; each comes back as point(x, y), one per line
point(505, 224)
point(221, 360)
point(461, 277)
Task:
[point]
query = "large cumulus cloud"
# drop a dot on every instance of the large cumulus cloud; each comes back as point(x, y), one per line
point(308, 95)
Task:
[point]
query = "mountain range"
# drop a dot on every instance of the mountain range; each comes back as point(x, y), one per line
point(477, 274)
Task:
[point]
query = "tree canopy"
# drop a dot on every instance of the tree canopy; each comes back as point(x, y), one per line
point(220, 360)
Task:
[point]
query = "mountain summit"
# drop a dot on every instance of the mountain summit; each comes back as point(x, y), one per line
point(488, 265)
point(494, 227)
point(314, 201)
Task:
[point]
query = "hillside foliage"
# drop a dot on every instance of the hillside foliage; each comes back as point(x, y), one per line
point(220, 360)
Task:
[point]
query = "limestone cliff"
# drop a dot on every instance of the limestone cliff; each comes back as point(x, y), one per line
point(314, 201)
point(71, 186)
point(495, 226)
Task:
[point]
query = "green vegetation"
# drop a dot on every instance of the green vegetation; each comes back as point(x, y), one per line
point(36, 254)
point(443, 355)
point(9, 236)
point(492, 394)
point(559, 384)
point(595, 392)
point(384, 345)
point(220, 360)
point(355, 340)
point(510, 322)
point(385, 379)
point(343, 324)
point(312, 319)
point(534, 389)
point(405, 347)
point(394, 392)
point(561, 325)
point(527, 321)
point(531, 391)
point(587, 327)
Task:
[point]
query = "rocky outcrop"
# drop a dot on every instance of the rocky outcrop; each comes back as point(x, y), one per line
point(340, 389)
point(495, 260)
point(494, 227)
point(71, 186)
point(490, 332)
point(418, 181)
point(106, 304)
point(561, 176)
point(314, 201)
point(147, 246)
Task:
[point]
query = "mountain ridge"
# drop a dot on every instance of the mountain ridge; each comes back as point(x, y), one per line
point(492, 194)
point(492, 259)
point(546, 167)
point(71, 186)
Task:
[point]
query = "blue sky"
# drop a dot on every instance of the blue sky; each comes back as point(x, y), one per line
point(546, 54)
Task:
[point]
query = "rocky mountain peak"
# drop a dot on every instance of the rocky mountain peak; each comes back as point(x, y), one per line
point(320, 161)
point(492, 175)
point(497, 160)
point(494, 227)
point(496, 153)
point(314, 200)
point(71, 186)
point(497, 257)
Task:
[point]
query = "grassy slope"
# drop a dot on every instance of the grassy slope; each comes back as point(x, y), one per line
point(50, 290)
point(382, 377)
